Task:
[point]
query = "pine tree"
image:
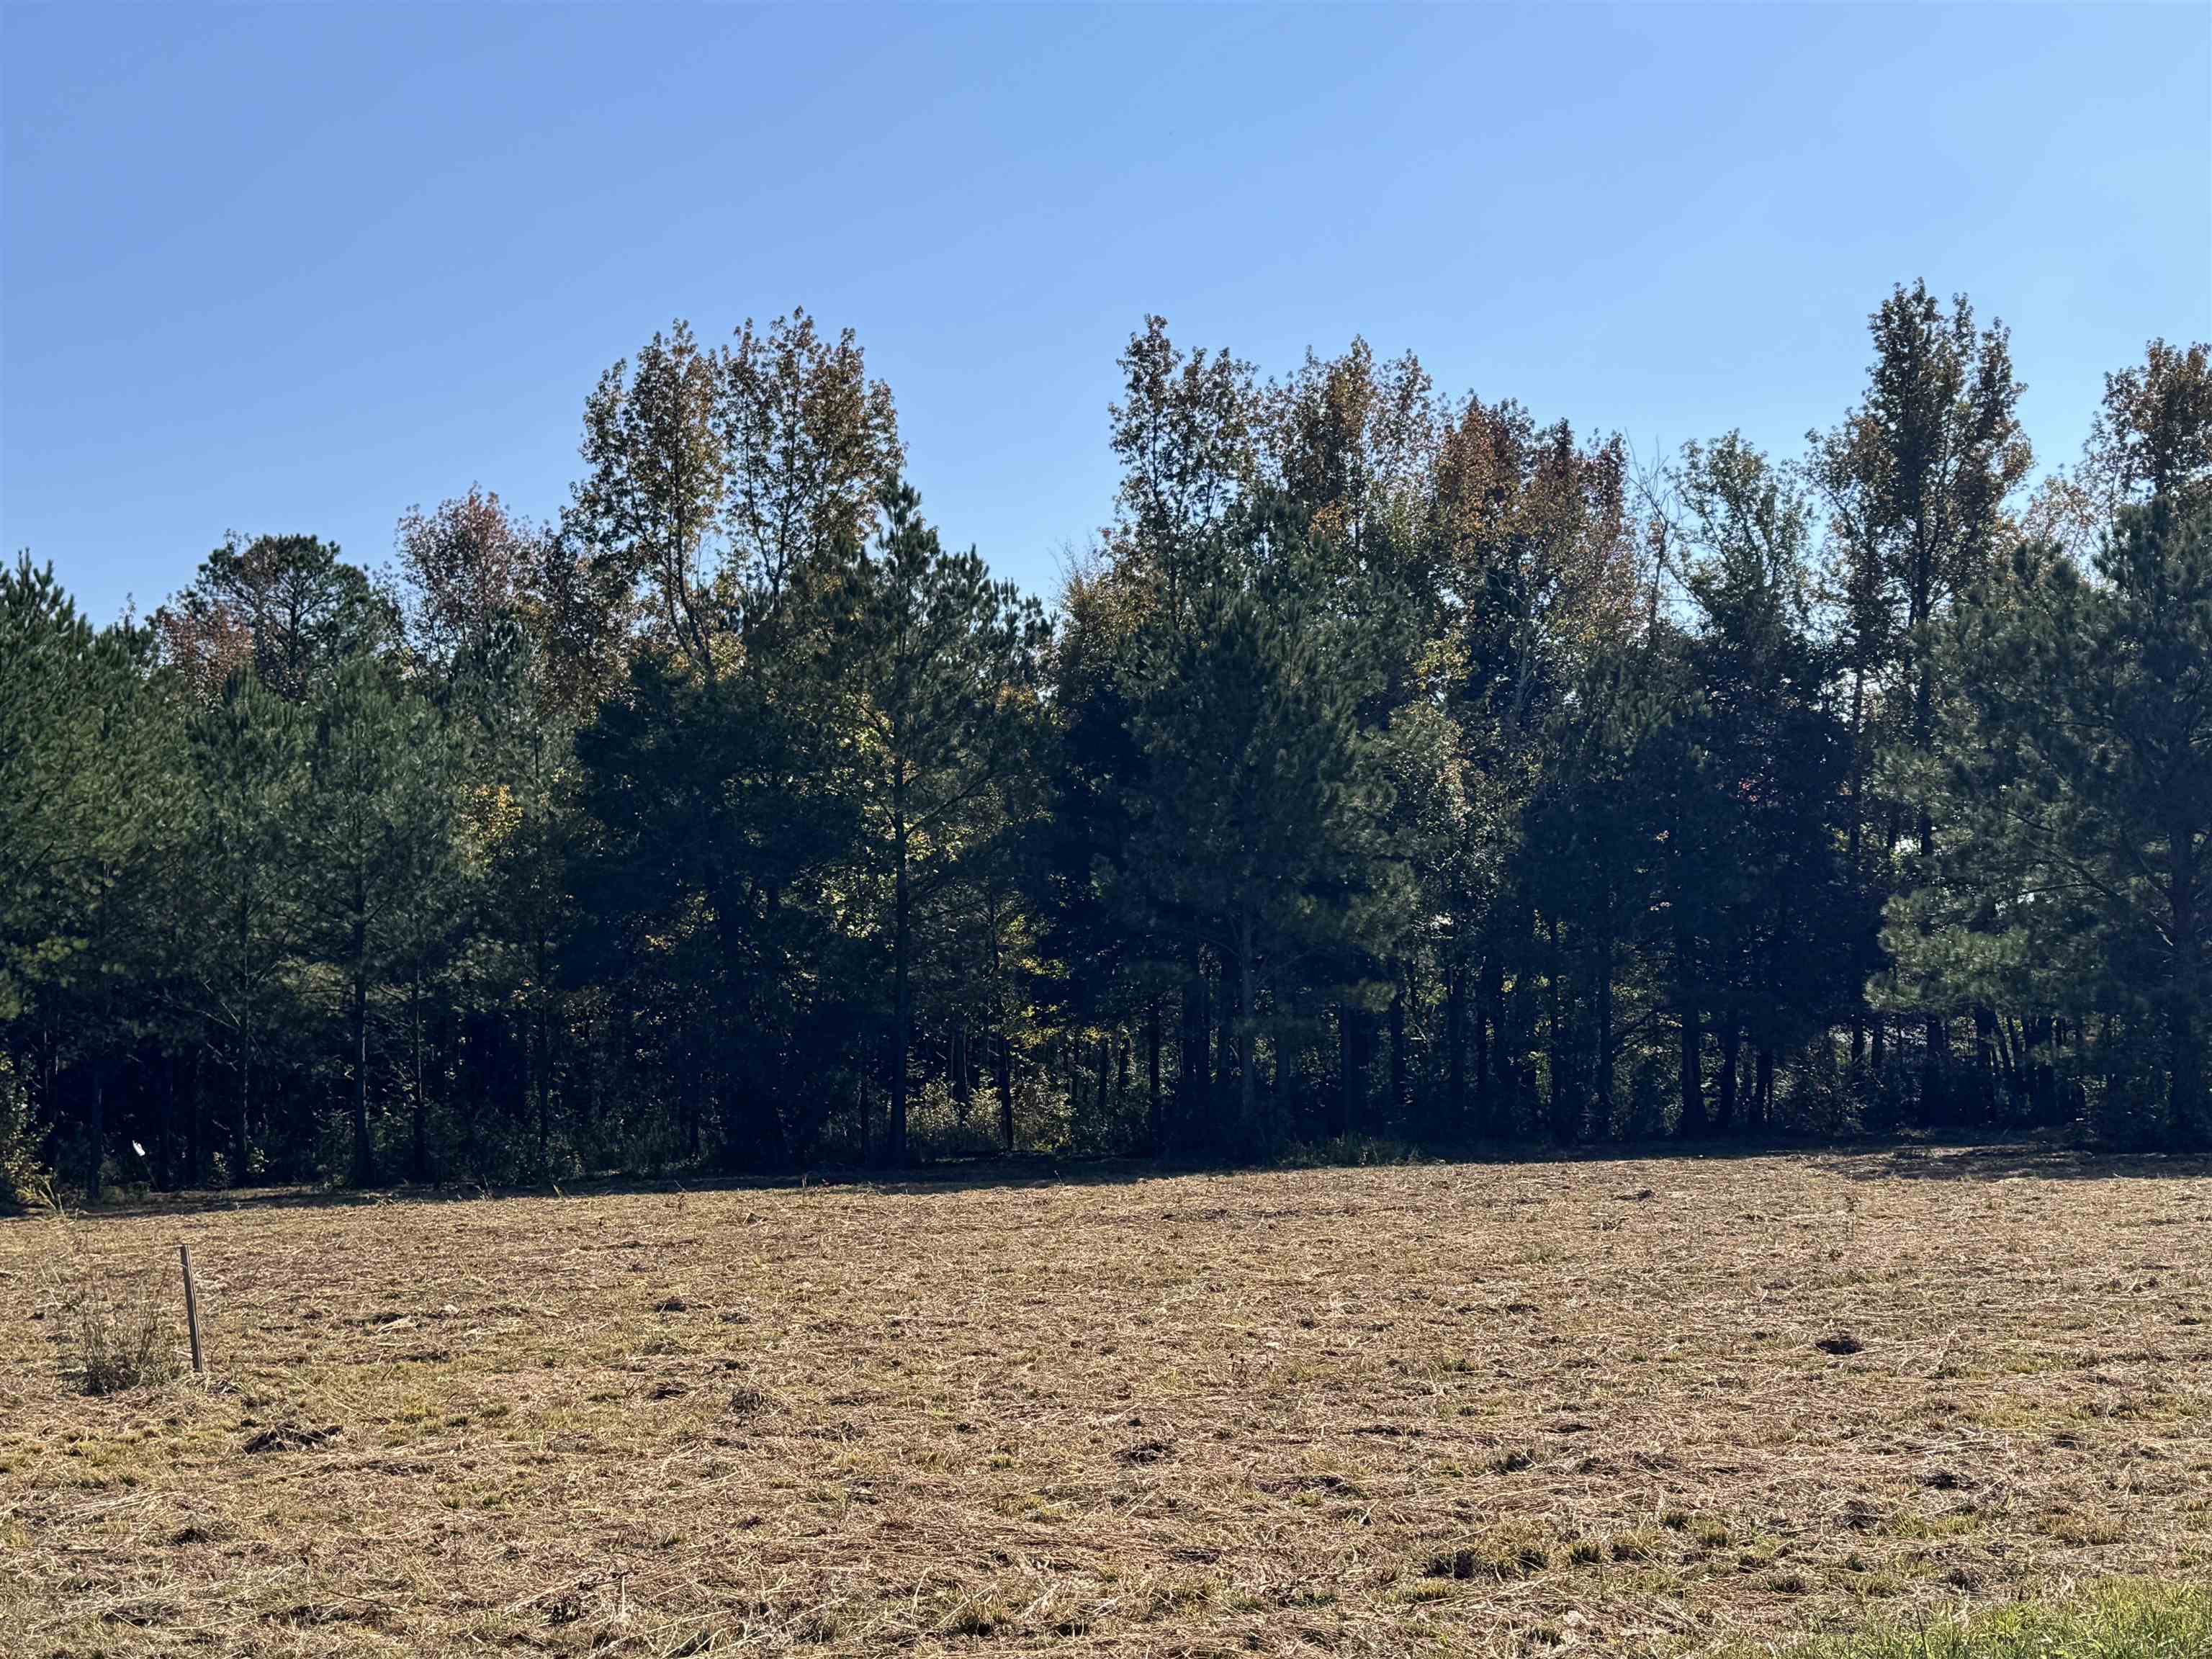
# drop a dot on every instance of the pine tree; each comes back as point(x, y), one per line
point(2079, 773)
point(1537, 578)
point(1790, 944)
point(1918, 479)
point(1186, 431)
point(944, 663)
point(242, 875)
point(287, 603)
point(1259, 839)
point(378, 804)
point(89, 813)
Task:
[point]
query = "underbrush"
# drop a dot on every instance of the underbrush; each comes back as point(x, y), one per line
point(116, 1329)
point(1358, 1151)
point(22, 1177)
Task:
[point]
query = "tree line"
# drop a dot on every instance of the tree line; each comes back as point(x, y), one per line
point(1395, 766)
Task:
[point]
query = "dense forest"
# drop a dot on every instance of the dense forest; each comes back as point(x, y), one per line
point(1395, 766)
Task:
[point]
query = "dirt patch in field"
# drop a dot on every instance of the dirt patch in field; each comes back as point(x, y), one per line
point(1491, 1407)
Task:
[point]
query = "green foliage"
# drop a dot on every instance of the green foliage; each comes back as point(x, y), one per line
point(1259, 838)
point(21, 1175)
point(2074, 782)
point(378, 806)
point(1397, 769)
point(88, 808)
point(943, 669)
point(287, 606)
point(242, 878)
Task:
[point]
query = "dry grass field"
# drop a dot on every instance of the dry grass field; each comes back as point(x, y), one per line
point(1610, 1407)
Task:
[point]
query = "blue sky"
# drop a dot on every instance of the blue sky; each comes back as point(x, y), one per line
point(295, 269)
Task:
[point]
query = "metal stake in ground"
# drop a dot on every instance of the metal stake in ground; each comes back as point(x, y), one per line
point(191, 1306)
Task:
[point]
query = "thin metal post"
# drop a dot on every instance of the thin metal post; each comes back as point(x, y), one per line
point(192, 1307)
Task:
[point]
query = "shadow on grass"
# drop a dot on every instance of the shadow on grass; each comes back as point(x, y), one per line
point(2015, 1162)
point(945, 1177)
point(1856, 1160)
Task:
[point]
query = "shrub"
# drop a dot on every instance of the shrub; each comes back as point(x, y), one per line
point(1354, 1150)
point(117, 1331)
point(22, 1177)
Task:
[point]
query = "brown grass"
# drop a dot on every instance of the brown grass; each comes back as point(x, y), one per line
point(1487, 1409)
point(117, 1326)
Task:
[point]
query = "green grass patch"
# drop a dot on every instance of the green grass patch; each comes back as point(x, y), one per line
point(2120, 1621)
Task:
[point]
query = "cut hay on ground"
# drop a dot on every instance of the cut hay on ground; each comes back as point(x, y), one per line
point(1606, 1406)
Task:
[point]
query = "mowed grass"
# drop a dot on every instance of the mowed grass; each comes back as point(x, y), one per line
point(2115, 1621)
point(1717, 1406)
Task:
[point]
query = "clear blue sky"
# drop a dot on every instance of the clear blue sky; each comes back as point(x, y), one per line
point(298, 268)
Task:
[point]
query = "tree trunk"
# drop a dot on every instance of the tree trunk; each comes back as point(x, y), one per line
point(164, 1131)
point(1154, 1104)
point(1455, 1048)
point(1488, 1007)
point(364, 1154)
point(245, 1095)
point(1352, 1080)
point(1190, 1079)
point(866, 1106)
point(196, 1119)
point(2186, 1012)
point(421, 1148)
point(694, 1095)
point(1246, 1020)
point(1605, 1113)
point(963, 1091)
point(1851, 851)
point(541, 1070)
point(1225, 1037)
point(96, 1133)
point(2185, 1075)
point(1005, 1080)
point(1935, 1102)
point(1503, 1106)
point(1398, 1101)
point(2041, 1042)
point(244, 1007)
point(1987, 1038)
point(1692, 1124)
point(1565, 1110)
point(2109, 1058)
point(1731, 1041)
point(902, 994)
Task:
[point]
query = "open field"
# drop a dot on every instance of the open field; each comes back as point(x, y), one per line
point(1481, 1408)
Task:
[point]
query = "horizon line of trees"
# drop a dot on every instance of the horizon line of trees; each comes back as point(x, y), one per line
point(1395, 765)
